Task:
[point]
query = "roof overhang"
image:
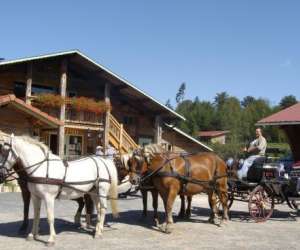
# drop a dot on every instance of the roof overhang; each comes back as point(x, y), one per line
point(28, 109)
point(177, 130)
point(98, 66)
point(283, 123)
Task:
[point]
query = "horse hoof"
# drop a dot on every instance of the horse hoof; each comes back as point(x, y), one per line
point(50, 244)
point(29, 237)
point(168, 229)
point(98, 236)
point(156, 222)
point(210, 220)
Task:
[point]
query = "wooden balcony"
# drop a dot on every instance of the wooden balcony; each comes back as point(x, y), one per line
point(83, 116)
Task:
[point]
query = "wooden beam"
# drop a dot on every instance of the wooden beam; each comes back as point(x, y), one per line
point(158, 130)
point(107, 115)
point(28, 83)
point(63, 88)
point(121, 137)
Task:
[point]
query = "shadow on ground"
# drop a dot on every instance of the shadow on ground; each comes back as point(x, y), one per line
point(242, 216)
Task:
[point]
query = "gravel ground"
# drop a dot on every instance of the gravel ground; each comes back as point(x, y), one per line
point(130, 232)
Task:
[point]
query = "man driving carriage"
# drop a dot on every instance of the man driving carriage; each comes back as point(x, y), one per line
point(256, 149)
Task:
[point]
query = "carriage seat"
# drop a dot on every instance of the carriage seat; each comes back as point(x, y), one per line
point(255, 172)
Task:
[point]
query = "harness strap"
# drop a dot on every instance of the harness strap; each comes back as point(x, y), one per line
point(109, 176)
point(64, 179)
point(55, 181)
point(187, 173)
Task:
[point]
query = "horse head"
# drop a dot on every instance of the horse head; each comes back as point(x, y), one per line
point(135, 164)
point(8, 155)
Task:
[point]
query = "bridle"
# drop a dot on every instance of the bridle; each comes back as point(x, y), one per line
point(2, 165)
point(10, 172)
point(144, 175)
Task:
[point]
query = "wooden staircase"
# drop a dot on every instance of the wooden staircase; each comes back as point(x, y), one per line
point(119, 138)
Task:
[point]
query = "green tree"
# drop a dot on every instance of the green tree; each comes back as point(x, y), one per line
point(180, 94)
point(247, 100)
point(220, 99)
point(287, 101)
point(252, 113)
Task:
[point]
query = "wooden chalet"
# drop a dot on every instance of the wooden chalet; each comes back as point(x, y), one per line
point(134, 118)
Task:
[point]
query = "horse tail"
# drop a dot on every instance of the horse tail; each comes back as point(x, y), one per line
point(113, 192)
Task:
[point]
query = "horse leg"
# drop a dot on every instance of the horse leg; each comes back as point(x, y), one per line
point(145, 197)
point(49, 202)
point(182, 208)
point(77, 216)
point(26, 202)
point(213, 206)
point(155, 206)
point(223, 196)
point(168, 203)
point(188, 209)
point(89, 207)
point(101, 206)
point(36, 220)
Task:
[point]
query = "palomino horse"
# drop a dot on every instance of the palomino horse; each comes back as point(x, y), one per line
point(49, 177)
point(188, 175)
point(22, 181)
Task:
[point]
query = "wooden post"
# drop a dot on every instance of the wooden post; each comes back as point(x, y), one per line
point(28, 83)
point(158, 130)
point(121, 137)
point(107, 115)
point(63, 87)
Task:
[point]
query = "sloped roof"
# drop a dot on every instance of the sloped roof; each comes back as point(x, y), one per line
point(26, 108)
point(288, 116)
point(212, 133)
point(177, 130)
point(101, 67)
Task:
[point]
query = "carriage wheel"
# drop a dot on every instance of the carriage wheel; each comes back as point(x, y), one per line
point(261, 204)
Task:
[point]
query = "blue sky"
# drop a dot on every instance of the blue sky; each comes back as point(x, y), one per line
point(242, 47)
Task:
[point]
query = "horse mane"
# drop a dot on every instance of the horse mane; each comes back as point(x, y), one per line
point(152, 149)
point(42, 146)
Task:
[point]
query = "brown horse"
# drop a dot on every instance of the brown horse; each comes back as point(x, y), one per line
point(121, 162)
point(174, 174)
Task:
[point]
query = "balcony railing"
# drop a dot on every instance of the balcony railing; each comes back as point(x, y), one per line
point(119, 137)
point(83, 116)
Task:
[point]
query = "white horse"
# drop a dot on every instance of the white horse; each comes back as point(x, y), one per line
point(95, 175)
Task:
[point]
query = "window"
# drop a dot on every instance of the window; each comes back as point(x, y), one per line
point(39, 89)
point(143, 141)
point(20, 89)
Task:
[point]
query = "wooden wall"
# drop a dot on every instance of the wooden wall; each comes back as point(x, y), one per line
point(14, 121)
point(180, 143)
